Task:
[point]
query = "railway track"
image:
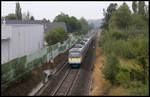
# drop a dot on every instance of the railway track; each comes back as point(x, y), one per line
point(66, 83)
point(63, 85)
point(56, 76)
point(82, 85)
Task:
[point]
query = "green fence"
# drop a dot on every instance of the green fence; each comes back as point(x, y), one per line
point(19, 66)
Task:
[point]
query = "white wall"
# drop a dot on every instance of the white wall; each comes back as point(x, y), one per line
point(25, 39)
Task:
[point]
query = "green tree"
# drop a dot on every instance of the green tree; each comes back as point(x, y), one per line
point(28, 15)
point(48, 21)
point(111, 68)
point(134, 6)
point(56, 34)
point(147, 14)
point(91, 26)
point(110, 10)
point(84, 26)
point(32, 18)
point(141, 7)
point(10, 16)
point(18, 11)
point(122, 17)
point(72, 23)
point(63, 18)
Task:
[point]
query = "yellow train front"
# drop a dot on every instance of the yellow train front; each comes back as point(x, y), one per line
point(75, 59)
point(75, 62)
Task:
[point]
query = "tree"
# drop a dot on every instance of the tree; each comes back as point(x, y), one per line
point(110, 10)
point(147, 14)
point(72, 23)
point(141, 7)
point(56, 34)
point(122, 16)
point(26, 16)
point(48, 21)
point(91, 26)
point(84, 26)
point(63, 18)
point(111, 68)
point(134, 6)
point(10, 16)
point(32, 18)
point(18, 11)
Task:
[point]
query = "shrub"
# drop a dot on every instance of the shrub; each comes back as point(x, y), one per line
point(138, 89)
point(100, 42)
point(111, 68)
point(116, 34)
point(123, 78)
point(103, 38)
point(56, 34)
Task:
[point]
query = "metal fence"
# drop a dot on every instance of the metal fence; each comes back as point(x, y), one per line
point(20, 66)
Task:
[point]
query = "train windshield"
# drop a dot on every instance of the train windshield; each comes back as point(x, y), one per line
point(74, 55)
point(82, 42)
point(86, 39)
point(78, 46)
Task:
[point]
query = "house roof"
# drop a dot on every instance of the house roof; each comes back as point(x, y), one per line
point(23, 22)
point(47, 25)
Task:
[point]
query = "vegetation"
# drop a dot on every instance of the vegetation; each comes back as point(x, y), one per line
point(74, 25)
point(10, 16)
point(32, 18)
point(111, 8)
point(125, 35)
point(18, 12)
point(84, 26)
point(134, 6)
point(111, 68)
point(56, 34)
point(27, 16)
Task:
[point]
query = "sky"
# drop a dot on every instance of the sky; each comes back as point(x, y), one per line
point(49, 10)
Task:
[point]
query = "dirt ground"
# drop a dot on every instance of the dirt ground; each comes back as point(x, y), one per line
point(99, 84)
point(24, 85)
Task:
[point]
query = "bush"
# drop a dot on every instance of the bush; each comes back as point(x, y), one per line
point(123, 78)
point(138, 89)
point(127, 38)
point(116, 34)
point(119, 48)
point(111, 68)
point(56, 34)
point(103, 38)
point(100, 42)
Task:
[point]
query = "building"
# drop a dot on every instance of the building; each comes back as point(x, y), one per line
point(20, 39)
point(47, 25)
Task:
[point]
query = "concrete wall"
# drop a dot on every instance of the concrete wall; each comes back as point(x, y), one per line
point(24, 40)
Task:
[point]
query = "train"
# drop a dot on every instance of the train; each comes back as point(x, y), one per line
point(78, 52)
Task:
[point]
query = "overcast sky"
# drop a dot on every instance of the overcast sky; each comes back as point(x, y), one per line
point(48, 10)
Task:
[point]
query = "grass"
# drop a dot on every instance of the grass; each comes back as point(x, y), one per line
point(118, 91)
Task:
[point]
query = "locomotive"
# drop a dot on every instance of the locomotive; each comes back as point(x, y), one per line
point(78, 52)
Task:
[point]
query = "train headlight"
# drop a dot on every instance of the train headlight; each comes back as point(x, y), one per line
point(80, 58)
point(69, 59)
